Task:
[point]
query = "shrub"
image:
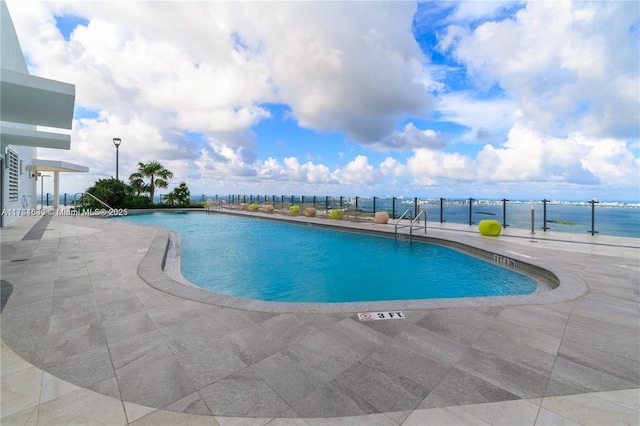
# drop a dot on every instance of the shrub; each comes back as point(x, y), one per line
point(179, 197)
point(138, 202)
point(294, 209)
point(111, 191)
point(254, 207)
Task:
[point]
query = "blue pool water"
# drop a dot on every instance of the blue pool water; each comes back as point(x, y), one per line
point(274, 261)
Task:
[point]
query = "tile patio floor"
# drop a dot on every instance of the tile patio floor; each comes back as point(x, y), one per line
point(86, 340)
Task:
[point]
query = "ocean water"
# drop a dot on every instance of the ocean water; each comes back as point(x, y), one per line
point(615, 219)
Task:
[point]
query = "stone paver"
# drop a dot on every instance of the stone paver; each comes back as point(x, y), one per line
point(82, 328)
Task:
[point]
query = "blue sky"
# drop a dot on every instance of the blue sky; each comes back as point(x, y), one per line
point(436, 99)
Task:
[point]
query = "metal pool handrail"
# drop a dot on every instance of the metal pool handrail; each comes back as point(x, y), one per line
point(82, 194)
point(410, 225)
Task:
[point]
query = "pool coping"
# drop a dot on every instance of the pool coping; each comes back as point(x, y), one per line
point(160, 269)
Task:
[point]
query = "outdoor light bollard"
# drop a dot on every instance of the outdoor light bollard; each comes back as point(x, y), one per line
point(593, 216)
point(533, 213)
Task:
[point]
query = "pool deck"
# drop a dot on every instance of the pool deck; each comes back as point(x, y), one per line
point(94, 332)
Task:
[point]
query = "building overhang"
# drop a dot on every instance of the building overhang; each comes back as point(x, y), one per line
point(57, 166)
point(35, 100)
point(34, 138)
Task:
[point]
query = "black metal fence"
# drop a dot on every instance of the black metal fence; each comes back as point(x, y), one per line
point(615, 218)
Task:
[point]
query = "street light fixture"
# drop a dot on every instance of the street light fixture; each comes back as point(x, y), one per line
point(41, 176)
point(117, 142)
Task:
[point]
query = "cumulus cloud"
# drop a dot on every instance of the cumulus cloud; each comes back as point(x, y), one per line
point(427, 166)
point(570, 65)
point(208, 67)
point(392, 167)
point(293, 171)
point(355, 76)
point(529, 156)
point(218, 160)
point(410, 137)
point(547, 94)
point(346, 67)
point(486, 118)
point(358, 172)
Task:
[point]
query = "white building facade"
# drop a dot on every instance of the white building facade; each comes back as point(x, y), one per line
point(27, 102)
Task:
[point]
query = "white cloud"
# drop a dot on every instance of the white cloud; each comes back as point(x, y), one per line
point(570, 65)
point(271, 170)
point(529, 156)
point(469, 11)
point(427, 166)
point(341, 73)
point(487, 118)
point(207, 67)
point(358, 172)
point(410, 138)
point(347, 67)
point(218, 160)
point(551, 92)
point(293, 170)
point(391, 167)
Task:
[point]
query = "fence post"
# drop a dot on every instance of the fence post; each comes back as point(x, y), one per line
point(442, 210)
point(593, 216)
point(504, 212)
point(471, 200)
point(544, 215)
point(415, 207)
point(393, 208)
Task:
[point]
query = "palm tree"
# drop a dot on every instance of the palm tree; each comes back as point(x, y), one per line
point(156, 172)
point(137, 184)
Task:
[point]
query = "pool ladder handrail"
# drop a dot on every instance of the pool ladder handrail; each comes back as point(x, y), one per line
point(410, 225)
point(210, 204)
point(82, 194)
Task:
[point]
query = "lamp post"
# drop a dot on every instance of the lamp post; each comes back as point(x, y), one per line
point(41, 176)
point(117, 142)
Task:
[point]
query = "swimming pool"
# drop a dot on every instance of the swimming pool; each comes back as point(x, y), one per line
point(275, 261)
